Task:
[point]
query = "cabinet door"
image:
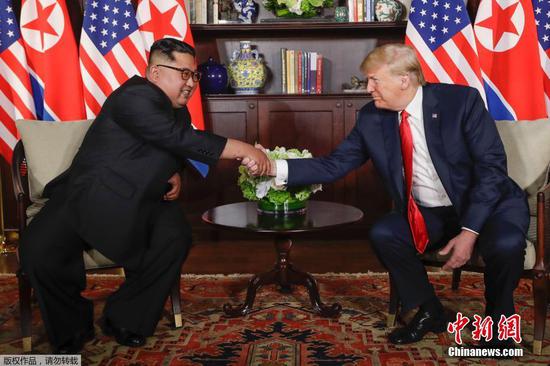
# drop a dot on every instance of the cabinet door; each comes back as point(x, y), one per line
point(316, 124)
point(228, 117)
point(364, 188)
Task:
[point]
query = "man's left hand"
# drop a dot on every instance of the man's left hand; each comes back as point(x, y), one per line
point(174, 192)
point(462, 246)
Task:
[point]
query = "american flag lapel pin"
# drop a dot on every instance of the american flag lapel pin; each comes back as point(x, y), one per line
point(435, 115)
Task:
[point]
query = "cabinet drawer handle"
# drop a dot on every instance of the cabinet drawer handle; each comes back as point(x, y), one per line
point(338, 105)
point(251, 106)
point(350, 105)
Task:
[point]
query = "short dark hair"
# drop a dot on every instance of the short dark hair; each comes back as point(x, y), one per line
point(167, 47)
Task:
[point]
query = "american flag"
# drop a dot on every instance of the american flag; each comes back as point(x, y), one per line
point(542, 20)
point(442, 34)
point(111, 50)
point(15, 88)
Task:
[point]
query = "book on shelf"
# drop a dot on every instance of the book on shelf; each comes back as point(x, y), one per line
point(215, 12)
point(212, 12)
point(360, 4)
point(283, 71)
point(319, 73)
point(313, 72)
point(361, 11)
point(301, 72)
point(291, 74)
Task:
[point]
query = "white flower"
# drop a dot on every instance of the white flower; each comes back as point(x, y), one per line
point(296, 8)
point(262, 188)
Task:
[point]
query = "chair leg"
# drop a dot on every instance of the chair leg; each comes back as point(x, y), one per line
point(540, 297)
point(176, 303)
point(456, 278)
point(25, 310)
point(393, 306)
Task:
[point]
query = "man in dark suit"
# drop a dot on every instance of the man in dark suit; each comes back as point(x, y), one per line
point(439, 153)
point(113, 198)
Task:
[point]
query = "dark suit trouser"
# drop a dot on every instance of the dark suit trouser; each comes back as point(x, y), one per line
point(501, 243)
point(51, 255)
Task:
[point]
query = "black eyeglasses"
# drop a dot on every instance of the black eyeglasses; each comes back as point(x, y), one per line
point(186, 73)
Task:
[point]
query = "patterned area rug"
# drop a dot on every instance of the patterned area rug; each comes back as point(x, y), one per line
point(282, 330)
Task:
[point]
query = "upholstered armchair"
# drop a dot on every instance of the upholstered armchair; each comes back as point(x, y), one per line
point(527, 146)
point(45, 150)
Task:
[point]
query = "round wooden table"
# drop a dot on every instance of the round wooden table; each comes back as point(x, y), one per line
point(319, 215)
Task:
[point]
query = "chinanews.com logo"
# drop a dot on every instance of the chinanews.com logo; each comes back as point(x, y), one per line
point(508, 328)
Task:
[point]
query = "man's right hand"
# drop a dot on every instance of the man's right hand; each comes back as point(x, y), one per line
point(252, 167)
point(256, 161)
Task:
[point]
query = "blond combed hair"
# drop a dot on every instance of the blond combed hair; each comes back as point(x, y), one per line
point(399, 58)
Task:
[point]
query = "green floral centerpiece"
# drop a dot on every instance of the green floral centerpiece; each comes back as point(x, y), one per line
point(296, 8)
point(276, 198)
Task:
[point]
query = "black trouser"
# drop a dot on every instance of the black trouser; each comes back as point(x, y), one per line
point(501, 243)
point(51, 255)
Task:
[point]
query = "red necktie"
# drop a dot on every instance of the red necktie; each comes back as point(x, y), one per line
point(416, 221)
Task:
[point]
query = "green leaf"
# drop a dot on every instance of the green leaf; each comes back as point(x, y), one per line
point(315, 3)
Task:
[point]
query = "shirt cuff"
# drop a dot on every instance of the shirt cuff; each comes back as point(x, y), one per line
point(282, 172)
point(470, 230)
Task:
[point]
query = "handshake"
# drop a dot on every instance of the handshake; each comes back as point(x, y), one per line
point(257, 162)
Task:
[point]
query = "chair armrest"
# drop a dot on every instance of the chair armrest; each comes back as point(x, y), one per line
point(20, 184)
point(543, 228)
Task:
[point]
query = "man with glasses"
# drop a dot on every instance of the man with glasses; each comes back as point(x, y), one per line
point(113, 198)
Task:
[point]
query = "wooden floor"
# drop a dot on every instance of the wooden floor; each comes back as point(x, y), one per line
point(254, 256)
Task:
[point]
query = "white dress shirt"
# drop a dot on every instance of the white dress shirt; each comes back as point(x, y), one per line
point(427, 188)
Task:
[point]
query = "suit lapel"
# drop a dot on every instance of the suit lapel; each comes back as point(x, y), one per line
point(390, 127)
point(434, 140)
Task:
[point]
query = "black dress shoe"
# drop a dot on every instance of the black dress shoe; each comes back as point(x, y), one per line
point(422, 323)
point(123, 336)
point(74, 345)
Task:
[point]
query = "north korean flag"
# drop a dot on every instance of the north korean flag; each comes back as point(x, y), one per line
point(508, 51)
point(53, 60)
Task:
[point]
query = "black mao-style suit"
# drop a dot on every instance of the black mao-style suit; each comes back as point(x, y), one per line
point(111, 198)
point(469, 158)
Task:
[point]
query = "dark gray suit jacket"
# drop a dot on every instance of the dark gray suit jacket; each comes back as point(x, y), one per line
point(463, 142)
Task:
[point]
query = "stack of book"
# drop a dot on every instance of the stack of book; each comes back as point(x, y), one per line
point(209, 11)
point(361, 11)
point(301, 72)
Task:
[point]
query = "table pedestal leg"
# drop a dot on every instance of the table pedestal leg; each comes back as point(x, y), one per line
point(285, 275)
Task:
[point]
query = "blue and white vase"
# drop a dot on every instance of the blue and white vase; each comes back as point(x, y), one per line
point(248, 10)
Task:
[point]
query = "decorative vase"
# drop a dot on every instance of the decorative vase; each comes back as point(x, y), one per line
point(267, 207)
point(247, 71)
point(214, 77)
point(388, 10)
point(248, 10)
point(341, 14)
